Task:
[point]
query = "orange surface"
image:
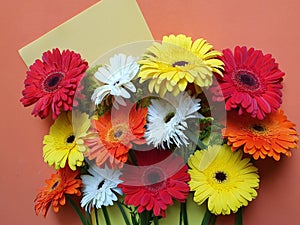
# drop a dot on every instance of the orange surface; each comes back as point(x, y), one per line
point(269, 25)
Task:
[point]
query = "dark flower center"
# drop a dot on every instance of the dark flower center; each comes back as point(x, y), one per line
point(55, 185)
point(101, 184)
point(258, 128)
point(52, 81)
point(179, 63)
point(220, 176)
point(154, 178)
point(70, 139)
point(169, 117)
point(118, 134)
point(247, 80)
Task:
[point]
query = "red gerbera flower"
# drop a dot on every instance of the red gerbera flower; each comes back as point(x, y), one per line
point(117, 131)
point(52, 82)
point(251, 82)
point(62, 182)
point(158, 179)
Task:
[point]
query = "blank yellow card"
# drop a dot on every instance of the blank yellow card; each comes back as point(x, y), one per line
point(93, 32)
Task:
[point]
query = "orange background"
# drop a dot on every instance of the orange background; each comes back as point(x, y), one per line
point(269, 25)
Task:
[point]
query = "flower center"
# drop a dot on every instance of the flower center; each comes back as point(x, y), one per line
point(258, 128)
point(169, 116)
point(117, 133)
point(70, 139)
point(54, 185)
point(52, 81)
point(247, 80)
point(179, 63)
point(154, 178)
point(101, 184)
point(220, 176)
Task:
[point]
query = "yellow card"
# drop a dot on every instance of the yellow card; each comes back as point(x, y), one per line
point(93, 32)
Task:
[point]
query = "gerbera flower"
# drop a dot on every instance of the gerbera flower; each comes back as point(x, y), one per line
point(158, 179)
point(251, 82)
point(222, 177)
point(177, 61)
point(61, 183)
point(99, 187)
point(117, 130)
point(116, 79)
point(65, 142)
point(167, 121)
point(52, 82)
point(272, 136)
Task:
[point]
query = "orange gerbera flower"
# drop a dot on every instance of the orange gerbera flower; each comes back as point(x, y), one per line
point(272, 136)
point(62, 182)
point(117, 131)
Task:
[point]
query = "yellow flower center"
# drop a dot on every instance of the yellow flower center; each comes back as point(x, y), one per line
point(117, 133)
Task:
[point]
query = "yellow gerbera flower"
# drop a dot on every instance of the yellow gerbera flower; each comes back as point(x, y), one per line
point(65, 140)
point(177, 61)
point(222, 177)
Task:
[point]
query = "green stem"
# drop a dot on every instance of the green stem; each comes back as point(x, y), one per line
point(123, 213)
point(184, 214)
point(132, 157)
point(78, 211)
point(155, 220)
point(106, 216)
point(239, 217)
point(96, 216)
point(206, 218)
point(213, 219)
point(88, 218)
point(180, 217)
point(145, 217)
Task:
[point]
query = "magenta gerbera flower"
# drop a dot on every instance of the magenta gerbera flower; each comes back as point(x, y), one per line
point(158, 179)
point(251, 82)
point(51, 82)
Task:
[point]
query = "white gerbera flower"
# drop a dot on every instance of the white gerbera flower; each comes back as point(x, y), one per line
point(100, 187)
point(116, 78)
point(167, 119)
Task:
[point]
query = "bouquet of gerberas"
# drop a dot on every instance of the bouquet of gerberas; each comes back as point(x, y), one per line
point(141, 133)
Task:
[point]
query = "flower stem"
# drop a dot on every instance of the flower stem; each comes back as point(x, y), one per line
point(123, 213)
point(96, 216)
point(145, 217)
point(184, 213)
point(239, 217)
point(209, 218)
point(78, 211)
point(155, 220)
point(88, 218)
point(106, 216)
point(206, 218)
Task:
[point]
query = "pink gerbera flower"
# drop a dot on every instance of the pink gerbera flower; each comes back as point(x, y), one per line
point(158, 179)
point(251, 82)
point(52, 82)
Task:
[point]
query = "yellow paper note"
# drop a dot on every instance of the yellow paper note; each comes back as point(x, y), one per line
point(100, 28)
